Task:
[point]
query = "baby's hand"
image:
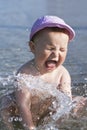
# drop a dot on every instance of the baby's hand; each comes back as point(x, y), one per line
point(80, 107)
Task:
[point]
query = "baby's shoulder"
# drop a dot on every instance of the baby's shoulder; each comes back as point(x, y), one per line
point(63, 70)
point(26, 68)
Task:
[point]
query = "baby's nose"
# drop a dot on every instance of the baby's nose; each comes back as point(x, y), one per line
point(55, 54)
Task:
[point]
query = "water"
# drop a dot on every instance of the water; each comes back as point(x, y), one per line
point(60, 103)
point(16, 19)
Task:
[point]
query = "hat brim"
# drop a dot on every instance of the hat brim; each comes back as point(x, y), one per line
point(65, 26)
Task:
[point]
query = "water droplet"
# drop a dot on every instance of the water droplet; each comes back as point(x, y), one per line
point(20, 119)
point(10, 119)
point(16, 119)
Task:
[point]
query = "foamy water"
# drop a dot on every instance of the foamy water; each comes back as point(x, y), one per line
point(62, 104)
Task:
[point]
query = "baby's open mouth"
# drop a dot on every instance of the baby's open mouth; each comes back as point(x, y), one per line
point(51, 64)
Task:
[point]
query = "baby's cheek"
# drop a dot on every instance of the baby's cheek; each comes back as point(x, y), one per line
point(62, 58)
point(42, 55)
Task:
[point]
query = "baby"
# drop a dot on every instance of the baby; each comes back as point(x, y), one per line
point(49, 39)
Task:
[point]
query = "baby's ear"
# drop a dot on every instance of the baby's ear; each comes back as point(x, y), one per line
point(32, 46)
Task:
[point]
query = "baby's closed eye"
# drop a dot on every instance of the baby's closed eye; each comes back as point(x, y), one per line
point(63, 49)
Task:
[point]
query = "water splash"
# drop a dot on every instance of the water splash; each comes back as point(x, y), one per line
point(62, 105)
point(7, 84)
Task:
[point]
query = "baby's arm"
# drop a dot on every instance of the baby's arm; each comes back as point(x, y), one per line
point(24, 102)
point(65, 83)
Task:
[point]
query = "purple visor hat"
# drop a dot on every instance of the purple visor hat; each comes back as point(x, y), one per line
point(51, 21)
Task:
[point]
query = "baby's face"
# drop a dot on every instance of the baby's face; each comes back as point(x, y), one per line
point(50, 50)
